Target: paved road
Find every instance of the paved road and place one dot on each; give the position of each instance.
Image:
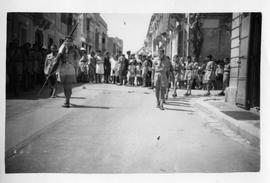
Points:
(115, 129)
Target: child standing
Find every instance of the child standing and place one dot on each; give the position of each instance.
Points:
(132, 72)
(139, 74)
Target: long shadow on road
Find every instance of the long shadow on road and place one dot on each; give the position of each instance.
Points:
(88, 106)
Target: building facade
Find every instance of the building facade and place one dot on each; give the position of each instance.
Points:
(114, 45)
(244, 89)
(191, 34)
(46, 29)
(233, 35)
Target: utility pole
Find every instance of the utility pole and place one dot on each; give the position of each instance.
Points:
(187, 30)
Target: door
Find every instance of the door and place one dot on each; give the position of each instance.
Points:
(241, 95)
(254, 61)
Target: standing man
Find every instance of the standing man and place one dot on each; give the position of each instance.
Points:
(226, 76)
(125, 71)
(209, 76)
(189, 75)
(121, 65)
(160, 77)
(83, 66)
(107, 67)
(49, 63)
(144, 70)
(92, 67)
(67, 70)
(177, 67)
(170, 76)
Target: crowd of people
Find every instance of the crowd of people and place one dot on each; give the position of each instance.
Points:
(28, 66)
(25, 66)
(137, 70)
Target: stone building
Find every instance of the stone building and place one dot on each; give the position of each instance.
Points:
(43, 29)
(114, 45)
(176, 34)
(46, 29)
(244, 89)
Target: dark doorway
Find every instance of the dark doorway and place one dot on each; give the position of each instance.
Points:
(254, 61)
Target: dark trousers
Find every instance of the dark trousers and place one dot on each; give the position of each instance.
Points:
(67, 91)
(160, 93)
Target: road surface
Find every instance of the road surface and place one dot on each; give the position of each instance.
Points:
(118, 129)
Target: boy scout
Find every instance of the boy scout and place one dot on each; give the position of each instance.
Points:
(177, 68)
(160, 78)
(67, 70)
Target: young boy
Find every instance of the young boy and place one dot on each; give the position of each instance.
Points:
(139, 74)
(131, 72)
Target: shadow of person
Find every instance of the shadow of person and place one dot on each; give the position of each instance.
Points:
(87, 106)
(182, 110)
(71, 97)
(180, 104)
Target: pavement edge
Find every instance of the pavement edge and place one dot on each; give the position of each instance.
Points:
(233, 124)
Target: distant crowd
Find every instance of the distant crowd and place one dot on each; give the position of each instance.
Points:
(26, 69)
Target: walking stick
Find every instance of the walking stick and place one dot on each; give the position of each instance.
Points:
(44, 84)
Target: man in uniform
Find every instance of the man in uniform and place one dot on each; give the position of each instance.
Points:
(160, 77)
(107, 67)
(121, 67)
(189, 75)
(49, 63)
(226, 76)
(83, 66)
(92, 67)
(67, 70)
(170, 76)
(209, 76)
(177, 68)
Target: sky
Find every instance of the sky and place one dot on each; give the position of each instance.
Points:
(131, 28)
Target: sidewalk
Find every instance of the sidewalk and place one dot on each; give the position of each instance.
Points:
(242, 122)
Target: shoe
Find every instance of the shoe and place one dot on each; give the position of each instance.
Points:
(221, 94)
(186, 94)
(174, 95)
(66, 105)
(207, 94)
(161, 106)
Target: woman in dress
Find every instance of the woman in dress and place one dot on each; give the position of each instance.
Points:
(100, 67)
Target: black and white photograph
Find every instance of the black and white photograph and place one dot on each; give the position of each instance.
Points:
(162, 93)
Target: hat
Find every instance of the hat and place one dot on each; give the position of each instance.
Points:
(83, 49)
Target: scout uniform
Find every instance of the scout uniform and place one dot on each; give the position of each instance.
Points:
(189, 75)
(131, 72)
(160, 79)
(92, 68)
(170, 76)
(226, 78)
(226, 74)
(121, 65)
(177, 68)
(209, 75)
(67, 72)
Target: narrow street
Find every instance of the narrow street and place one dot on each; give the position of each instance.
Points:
(118, 129)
